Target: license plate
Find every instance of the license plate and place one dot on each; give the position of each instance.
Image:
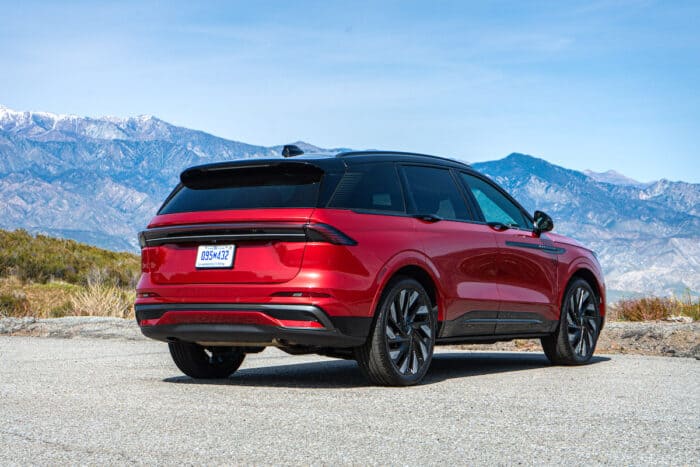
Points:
(215, 256)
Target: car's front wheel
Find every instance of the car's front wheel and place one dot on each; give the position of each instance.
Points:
(400, 347)
(206, 363)
(575, 339)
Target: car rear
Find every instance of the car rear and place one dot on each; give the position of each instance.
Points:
(223, 261)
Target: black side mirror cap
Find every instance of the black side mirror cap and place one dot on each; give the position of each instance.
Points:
(543, 223)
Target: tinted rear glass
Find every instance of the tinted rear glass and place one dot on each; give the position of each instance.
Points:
(371, 187)
(246, 188)
(434, 191)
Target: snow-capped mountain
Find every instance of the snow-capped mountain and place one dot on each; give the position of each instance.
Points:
(613, 177)
(100, 180)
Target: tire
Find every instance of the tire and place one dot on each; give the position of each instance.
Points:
(574, 341)
(200, 363)
(400, 346)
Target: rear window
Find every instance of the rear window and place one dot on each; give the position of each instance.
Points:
(370, 187)
(245, 188)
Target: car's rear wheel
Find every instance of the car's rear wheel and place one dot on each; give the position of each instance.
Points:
(206, 363)
(579, 326)
(400, 346)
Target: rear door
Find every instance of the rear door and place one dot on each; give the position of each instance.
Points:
(234, 225)
(527, 263)
(463, 252)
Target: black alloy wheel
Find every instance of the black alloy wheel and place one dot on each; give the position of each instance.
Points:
(400, 347)
(408, 332)
(579, 326)
(582, 322)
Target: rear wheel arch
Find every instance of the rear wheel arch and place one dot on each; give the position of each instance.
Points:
(423, 277)
(418, 273)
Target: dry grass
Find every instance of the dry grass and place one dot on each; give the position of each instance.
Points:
(49, 300)
(57, 299)
(103, 300)
(14, 304)
(655, 308)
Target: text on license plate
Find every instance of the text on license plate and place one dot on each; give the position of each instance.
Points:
(215, 256)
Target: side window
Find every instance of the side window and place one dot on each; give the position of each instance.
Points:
(495, 206)
(373, 187)
(434, 191)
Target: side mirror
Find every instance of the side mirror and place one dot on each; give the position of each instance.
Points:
(543, 223)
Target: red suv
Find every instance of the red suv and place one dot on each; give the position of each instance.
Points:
(374, 256)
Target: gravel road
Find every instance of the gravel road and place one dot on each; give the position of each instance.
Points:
(114, 401)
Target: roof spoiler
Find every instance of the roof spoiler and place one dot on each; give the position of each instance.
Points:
(250, 173)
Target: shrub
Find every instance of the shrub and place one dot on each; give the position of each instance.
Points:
(99, 299)
(59, 311)
(14, 304)
(688, 308)
(655, 308)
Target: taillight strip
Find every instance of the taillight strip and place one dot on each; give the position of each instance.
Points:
(213, 233)
(287, 237)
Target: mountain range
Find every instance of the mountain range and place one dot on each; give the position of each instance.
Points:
(99, 180)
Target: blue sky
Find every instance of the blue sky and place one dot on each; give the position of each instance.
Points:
(599, 84)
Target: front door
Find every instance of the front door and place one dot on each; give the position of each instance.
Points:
(526, 265)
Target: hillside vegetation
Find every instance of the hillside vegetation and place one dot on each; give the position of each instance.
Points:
(43, 259)
(43, 277)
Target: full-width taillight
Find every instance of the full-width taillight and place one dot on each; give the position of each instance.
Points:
(317, 232)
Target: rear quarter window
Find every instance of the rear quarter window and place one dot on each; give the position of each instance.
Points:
(369, 187)
(433, 191)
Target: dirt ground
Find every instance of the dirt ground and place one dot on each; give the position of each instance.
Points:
(663, 338)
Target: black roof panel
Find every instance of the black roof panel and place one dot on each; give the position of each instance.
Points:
(331, 162)
(402, 157)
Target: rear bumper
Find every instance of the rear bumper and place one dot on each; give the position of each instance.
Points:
(250, 324)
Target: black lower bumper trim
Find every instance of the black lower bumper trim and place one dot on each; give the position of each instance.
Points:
(337, 331)
(249, 334)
